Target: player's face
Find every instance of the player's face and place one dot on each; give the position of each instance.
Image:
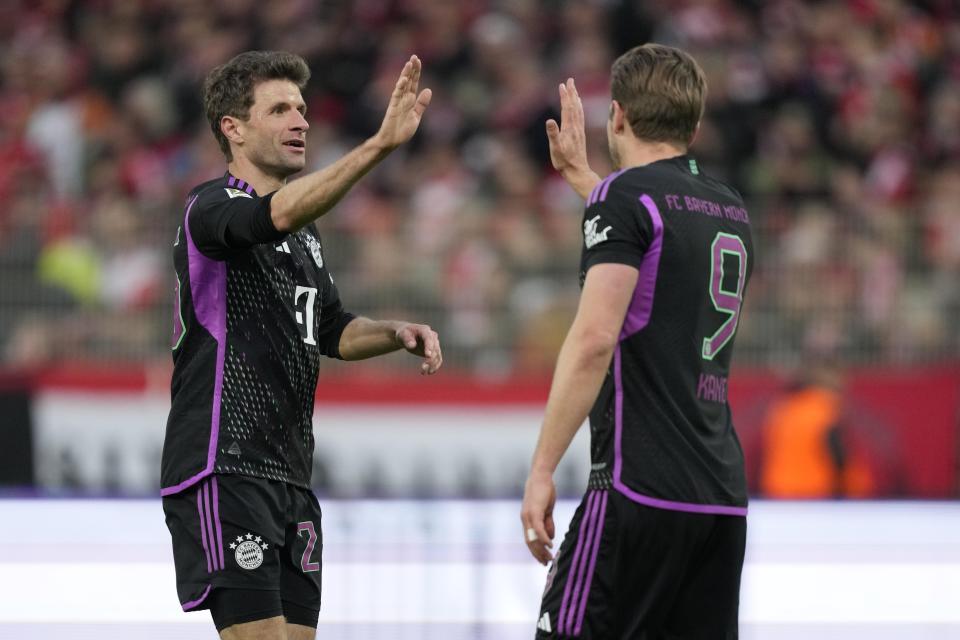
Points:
(275, 135)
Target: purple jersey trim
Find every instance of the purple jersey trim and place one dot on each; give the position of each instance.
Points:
(571, 575)
(599, 193)
(638, 314)
(581, 610)
(208, 290)
(232, 182)
(670, 505)
(187, 606)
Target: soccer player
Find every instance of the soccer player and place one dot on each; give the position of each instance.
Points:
(655, 549)
(255, 309)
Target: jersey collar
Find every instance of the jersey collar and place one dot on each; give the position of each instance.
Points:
(236, 183)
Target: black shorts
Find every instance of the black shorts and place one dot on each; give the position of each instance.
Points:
(625, 570)
(233, 532)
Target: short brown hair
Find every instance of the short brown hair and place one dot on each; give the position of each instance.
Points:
(662, 91)
(228, 89)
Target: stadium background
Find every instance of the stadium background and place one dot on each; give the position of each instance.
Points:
(838, 121)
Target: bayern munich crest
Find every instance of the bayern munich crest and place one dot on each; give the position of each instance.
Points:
(315, 250)
(248, 550)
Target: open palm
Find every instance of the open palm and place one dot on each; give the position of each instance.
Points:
(406, 106)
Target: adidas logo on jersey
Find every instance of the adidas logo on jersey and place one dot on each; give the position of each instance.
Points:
(544, 623)
(237, 193)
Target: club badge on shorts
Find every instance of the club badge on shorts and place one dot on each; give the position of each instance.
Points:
(248, 550)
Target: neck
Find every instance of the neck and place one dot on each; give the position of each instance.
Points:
(262, 182)
(637, 153)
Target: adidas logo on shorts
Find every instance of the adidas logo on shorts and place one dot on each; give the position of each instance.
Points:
(544, 623)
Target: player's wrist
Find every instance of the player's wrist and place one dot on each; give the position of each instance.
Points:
(582, 179)
(542, 470)
(380, 145)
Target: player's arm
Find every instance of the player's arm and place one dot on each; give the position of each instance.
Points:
(365, 338)
(581, 366)
(568, 142)
(302, 201)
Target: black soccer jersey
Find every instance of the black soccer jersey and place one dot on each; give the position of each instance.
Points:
(661, 430)
(255, 309)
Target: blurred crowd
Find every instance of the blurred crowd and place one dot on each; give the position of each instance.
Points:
(839, 122)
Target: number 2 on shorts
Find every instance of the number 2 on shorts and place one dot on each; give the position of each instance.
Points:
(725, 301)
(305, 563)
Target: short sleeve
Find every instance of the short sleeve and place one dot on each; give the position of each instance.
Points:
(222, 222)
(616, 226)
(333, 318)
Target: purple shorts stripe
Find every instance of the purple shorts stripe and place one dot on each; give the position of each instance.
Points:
(565, 624)
(575, 562)
(216, 521)
(203, 528)
(581, 610)
(193, 603)
(206, 504)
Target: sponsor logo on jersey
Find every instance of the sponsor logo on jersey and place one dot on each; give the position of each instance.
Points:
(234, 449)
(544, 623)
(283, 247)
(314, 250)
(592, 237)
(248, 550)
(237, 193)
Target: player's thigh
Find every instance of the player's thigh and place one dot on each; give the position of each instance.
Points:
(270, 629)
(300, 632)
(708, 605)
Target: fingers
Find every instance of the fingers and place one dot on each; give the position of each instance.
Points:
(553, 130)
(432, 353)
(576, 104)
(536, 538)
(564, 105)
(423, 100)
(571, 106)
(409, 338)
(416, 67)
(421, 340)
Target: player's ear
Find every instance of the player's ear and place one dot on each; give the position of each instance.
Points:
(232, 128)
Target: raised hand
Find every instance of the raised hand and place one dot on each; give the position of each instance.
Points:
(406, 107)
(421, 340)
(568, 142)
